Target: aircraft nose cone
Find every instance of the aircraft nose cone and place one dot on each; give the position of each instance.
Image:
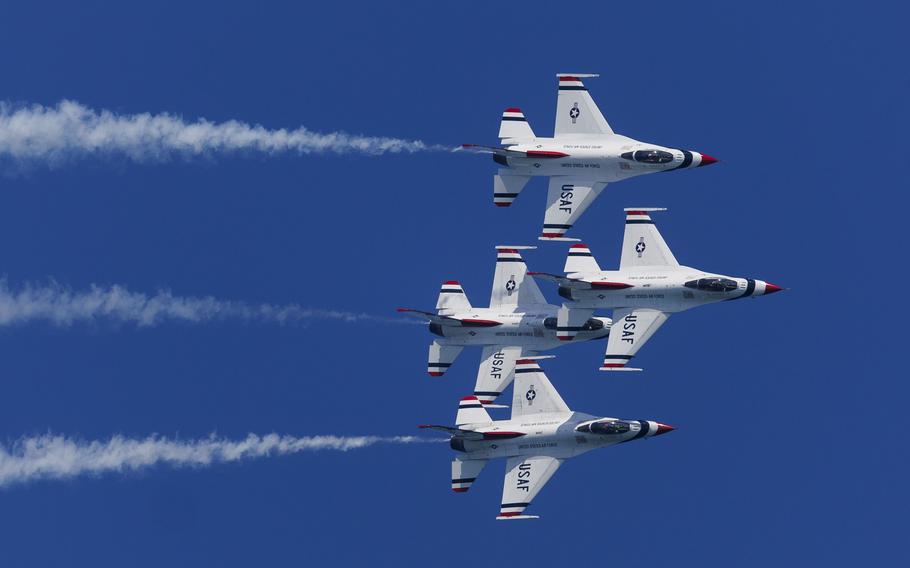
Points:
(707, 160)
(663, 429)
(771, 288)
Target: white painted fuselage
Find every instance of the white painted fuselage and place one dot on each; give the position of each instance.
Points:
(558, 435)
(668, 289)
(600, 158)
(531, 328)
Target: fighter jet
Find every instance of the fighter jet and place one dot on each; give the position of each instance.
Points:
(581, 158)
(541, 434)
(649, 286)
(519, 323)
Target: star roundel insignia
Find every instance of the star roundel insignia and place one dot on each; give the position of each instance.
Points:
(574, 112)
(640, 247)
(530, 394)
(510, 285)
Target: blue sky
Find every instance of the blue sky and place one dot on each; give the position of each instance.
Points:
(789, 409)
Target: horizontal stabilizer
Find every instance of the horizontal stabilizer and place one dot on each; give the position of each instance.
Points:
(616, 369)
(471, 411)
(452, 297)
(559, 239)
(514, 125)
(441, 357)
(517, 518)
(467, 434)
(561, 280)
(465, 473)
(496, 150)
(506, 188)
(580, 259)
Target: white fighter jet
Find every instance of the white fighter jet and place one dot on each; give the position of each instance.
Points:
(519, 323)
(541, 434)
(649, 286)
(581, 158)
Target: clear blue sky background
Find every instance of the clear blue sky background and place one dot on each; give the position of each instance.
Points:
(790, 445)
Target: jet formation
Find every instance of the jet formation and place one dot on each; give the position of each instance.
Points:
(582, 157)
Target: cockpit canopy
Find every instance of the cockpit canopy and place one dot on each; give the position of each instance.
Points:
(609, 427)
(593, 324)
(713, 284)
(649, 156)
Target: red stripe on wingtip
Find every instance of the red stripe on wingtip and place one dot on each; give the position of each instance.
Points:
(435, 373)
(614, 365)
(579, 246)
(459, 489)
(636, 213)
(451, 282)
(569, 78)
(502, 204)
(551, 235)
(513, 109)
(525, 362)
(514, 514)
(469, 398)
(512, 251)
(562, 338)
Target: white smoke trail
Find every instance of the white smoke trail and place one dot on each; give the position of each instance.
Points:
(58, 457)
(61, 306)
(69, 130)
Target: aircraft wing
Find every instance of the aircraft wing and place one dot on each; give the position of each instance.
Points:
(510, 287)
(567, 198)
(631, 329)
(533, 392)
(576, 111)
(497, 371)
(525, 477)
(642, 243)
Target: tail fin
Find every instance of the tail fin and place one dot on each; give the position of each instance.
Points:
(580, 259)
(576, 112)
(452, 297)
(464, 473)
(441, 358)
(514, 125)
(506, 187)
(471, 411)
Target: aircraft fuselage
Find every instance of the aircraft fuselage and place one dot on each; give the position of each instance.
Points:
(601, 158)
(666, 289)
(534, 329)
(559, 435)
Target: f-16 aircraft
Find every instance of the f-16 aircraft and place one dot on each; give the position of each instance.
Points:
(649, 286)
(581, 158)
(541, 434)
(519, 323)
